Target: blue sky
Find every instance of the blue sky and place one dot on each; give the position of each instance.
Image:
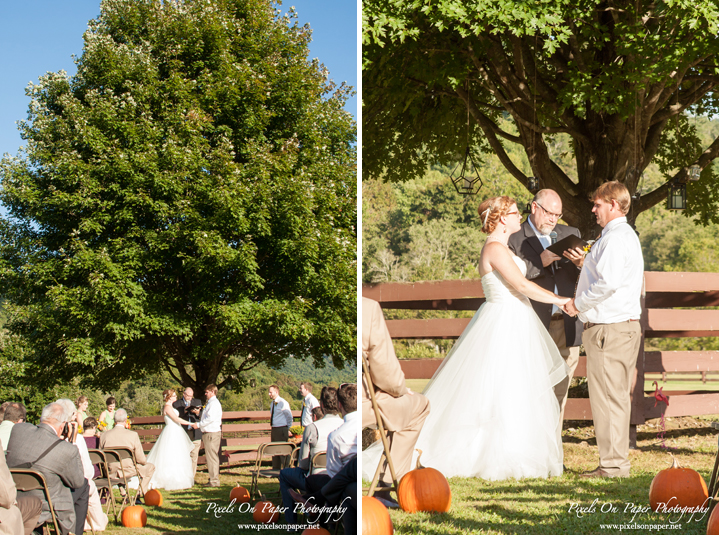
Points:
(37, 36)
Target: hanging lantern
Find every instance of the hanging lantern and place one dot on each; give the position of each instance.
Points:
(467, 181)
(532, 184)
(695, 173)
(527, 209)
(677, 198)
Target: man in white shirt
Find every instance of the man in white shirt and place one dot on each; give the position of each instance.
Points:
(309, 402)
(608, 302)
(211, 427)
(280, 421)
(342, 442)
(14, 414)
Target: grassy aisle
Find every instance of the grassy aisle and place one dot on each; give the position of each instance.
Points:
(549, 506)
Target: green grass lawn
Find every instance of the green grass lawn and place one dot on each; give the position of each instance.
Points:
(199, 509)
(548, 506)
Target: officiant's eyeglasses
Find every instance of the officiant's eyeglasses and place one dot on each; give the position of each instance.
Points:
(550, 214)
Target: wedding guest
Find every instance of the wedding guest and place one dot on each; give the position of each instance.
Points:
(18, 514)
(41, 448)
(608, 302)
(2, 409)
(14, 414)
(553, 273)
(121, 437)
(403, 411)
(211, 426)
(108, 416)
(309, 402)
(89, 433)
(281, 421)
(95, 514)
(341, 490)
(314, 440)
(317, 414)
(189, 408)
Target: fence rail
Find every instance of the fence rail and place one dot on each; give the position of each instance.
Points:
(672, 307)
(233, 450)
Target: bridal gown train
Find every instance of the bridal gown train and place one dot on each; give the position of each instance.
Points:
(494, 414)
(171, 457)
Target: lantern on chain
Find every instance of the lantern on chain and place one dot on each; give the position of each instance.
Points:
(677, 198)
(695, 173)
(466, 181)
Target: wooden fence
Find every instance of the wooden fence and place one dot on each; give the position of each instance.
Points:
(674, 305)
(242, 432)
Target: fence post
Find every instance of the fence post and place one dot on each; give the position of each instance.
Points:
(637, 394)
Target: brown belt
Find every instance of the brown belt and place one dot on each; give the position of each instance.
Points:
(558, 316)
(589, 324)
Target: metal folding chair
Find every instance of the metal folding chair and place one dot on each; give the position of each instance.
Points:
(104, 481)
(319, 460)
(113, 456)
(383, 436)
(26, 480)
(128, 453)
(269, 449)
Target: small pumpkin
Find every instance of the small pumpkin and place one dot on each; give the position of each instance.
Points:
(240, 494)
(153, 497)
(375, 517)
(424, 489)
(713, 524)
(265, 512)
(134, 517)
(315, 529)
(677, 486)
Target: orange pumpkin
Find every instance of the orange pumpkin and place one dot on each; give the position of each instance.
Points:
(677, 486)
(375, 517)
(713, 525)
(134, 517)
(424, 489)
(315, 530)
(240, 494)
(153, 497)
(265, 512)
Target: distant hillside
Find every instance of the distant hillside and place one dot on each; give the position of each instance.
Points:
(306, 371)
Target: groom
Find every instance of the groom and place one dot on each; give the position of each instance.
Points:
(210, 425)
(553, 273)
(608, 302)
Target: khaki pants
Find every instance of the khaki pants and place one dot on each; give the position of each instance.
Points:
(612, 352)
(404, 416)
(145, 472)
(212, 455)
(570, 356)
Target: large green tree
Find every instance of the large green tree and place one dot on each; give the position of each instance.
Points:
(187, 200)
(620, 78)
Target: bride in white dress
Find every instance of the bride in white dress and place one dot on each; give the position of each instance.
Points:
(171, 452)
(493, 413)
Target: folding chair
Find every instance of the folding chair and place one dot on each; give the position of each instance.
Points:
(104, 481)
(269, 449)
(26, 480)
(113, 456)
(383, 436)
(319, 460)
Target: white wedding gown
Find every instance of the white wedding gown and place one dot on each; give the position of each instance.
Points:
(171, 457)
(493, 412)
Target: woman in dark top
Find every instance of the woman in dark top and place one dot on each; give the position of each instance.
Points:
(89, 433)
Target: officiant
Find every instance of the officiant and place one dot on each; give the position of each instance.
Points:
(190, 408)
(554, 273)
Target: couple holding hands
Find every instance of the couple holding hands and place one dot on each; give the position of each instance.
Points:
(497, 401)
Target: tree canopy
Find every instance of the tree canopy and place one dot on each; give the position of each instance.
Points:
(622, 79)
(187, 200)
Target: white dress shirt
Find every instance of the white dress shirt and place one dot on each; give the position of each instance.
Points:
(211, 420)
(281, 413)
(611, 281)
(546, 241)
(342, 444)
(309, 403)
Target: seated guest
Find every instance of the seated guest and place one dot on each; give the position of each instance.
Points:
(314, 440)
(317, 413)
(18, 514)
(95, 514)
(41, 448)
(120, 437)
(14, 414)
(2, 409)
(89, 433)
(403, 411)
(341, 490)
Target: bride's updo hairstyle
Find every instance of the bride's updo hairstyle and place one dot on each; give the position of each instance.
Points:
(167, 394)
(492, 209)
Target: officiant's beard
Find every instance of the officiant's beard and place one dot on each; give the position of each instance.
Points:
(545, 228)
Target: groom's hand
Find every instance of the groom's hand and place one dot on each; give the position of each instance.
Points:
(576, 255)
(570, 309)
